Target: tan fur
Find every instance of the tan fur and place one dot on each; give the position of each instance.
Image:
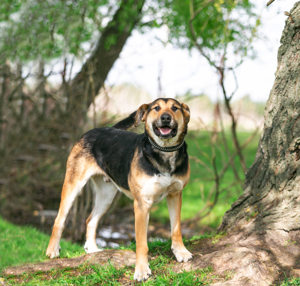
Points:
(80, 167)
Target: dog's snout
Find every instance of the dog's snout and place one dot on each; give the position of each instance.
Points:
(166, 118)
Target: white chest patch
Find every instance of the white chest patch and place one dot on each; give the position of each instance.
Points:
(159, 186)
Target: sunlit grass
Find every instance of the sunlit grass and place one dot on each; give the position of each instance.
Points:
(291, 282)
(28, 245)
(20, 244)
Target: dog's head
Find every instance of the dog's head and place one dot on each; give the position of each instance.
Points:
(165, 120)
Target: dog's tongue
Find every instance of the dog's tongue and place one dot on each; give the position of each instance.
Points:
(165, 130)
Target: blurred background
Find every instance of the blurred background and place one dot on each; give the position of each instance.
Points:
(69, 66)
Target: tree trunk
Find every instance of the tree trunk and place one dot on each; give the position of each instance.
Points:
(262, 241)
(272, 182)
(95, 70)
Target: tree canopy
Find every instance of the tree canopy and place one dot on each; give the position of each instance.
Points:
(33, 29)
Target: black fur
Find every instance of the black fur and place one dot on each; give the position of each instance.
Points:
(127, 122)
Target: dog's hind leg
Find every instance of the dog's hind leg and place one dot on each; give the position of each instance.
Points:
(79, 169)
(104, 195)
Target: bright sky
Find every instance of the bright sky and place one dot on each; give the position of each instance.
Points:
(143, 57)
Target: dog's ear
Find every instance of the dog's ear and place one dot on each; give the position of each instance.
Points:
(141, 114)
(186, 112)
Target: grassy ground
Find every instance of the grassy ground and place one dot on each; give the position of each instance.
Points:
(109, 275)
(291, 282)
(26, 244)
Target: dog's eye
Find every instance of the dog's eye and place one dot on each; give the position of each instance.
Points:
(157, 108)
(174, 108)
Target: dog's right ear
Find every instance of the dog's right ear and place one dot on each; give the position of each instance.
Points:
(141, 114)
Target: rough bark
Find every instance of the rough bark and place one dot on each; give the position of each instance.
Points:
(272, 182)
(95, 70)
(263, 225)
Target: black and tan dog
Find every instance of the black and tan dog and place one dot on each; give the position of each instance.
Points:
(146, 167)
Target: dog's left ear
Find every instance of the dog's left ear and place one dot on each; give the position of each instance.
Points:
(186, 112)
(141, 114)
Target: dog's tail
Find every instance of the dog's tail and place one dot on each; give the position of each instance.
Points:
(127, 122)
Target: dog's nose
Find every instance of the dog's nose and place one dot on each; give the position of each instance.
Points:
(166, 118)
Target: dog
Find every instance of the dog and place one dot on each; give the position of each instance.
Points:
(146, 167)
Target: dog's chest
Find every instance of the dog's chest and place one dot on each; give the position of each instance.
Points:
(159, 186)
(166, 164)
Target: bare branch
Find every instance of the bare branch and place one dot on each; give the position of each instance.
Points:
(197, 160)
(270, 2)
(193, 33)
(236, 84)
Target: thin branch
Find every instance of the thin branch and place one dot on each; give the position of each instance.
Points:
(233, 120)
(270, 2)
(197, 160)
(231, 162)
(193, 33)
(217, 180)
(236, 84)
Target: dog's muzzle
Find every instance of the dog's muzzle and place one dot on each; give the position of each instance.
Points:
(165, 127)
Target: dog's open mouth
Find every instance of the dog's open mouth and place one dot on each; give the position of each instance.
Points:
(165, 131)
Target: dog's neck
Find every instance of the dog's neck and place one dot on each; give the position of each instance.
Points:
(165, 149)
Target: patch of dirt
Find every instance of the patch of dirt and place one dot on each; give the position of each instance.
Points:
(118, 258)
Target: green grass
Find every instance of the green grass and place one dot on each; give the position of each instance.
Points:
(22, 244)
(82, 275)
(26, 244)
(109, 275)
(291, 282)
(195, 194)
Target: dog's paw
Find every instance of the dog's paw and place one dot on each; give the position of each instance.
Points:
(52, 253)
(91, 248)
(142, 272)
(182, 254)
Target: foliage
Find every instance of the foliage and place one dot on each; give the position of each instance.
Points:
(49, 29)
(31, 30)
(218, 27)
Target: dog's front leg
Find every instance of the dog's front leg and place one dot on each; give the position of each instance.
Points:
(141, 213)
(174, 202)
